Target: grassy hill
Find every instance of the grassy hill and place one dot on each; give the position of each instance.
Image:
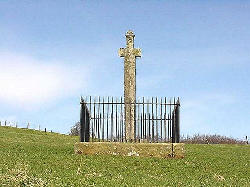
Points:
(33, 158)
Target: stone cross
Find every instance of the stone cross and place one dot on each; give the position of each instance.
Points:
(130, 53)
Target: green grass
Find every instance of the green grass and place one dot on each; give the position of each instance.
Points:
(33, 158)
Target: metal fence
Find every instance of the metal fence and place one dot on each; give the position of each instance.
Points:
(155, 119)
(23, 125)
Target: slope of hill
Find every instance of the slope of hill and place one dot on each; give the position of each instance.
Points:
(34, 158)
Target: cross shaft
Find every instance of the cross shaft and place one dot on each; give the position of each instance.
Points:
(130, 53)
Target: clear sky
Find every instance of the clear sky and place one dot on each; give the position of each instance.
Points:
(51, 52)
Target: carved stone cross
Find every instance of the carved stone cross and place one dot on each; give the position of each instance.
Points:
(130, 53)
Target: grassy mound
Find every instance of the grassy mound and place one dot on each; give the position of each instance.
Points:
(33, 158)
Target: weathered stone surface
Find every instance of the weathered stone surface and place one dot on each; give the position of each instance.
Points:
(129, 53)
(160, 150)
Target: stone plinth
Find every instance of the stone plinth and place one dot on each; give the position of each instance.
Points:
(160, 150)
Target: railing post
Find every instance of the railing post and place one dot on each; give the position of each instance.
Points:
(177, 127)
(174, 123)
(173, 126)
(87, 124)
(82, 135)
(84, 122)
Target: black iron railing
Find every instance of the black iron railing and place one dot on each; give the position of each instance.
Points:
(156, 119)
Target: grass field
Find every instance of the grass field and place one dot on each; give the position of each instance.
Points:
(33, 158)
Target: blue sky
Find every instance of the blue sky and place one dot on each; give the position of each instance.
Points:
(51, 52)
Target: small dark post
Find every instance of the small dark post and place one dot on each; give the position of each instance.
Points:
(149, 128)
(173, 123)
(112, 119)
(156, 117)
(140, 121)
(177, 122)
(84, 122)
(94, 121)
(82, 125)
(87, 121)
(103, 118)
(116, 120)
(153, 131)
(170, 121)
(169, 135)
(121, 122)
(45, 130)
(161, 121)
(173, 126)
(148, 121)
(107, 125)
